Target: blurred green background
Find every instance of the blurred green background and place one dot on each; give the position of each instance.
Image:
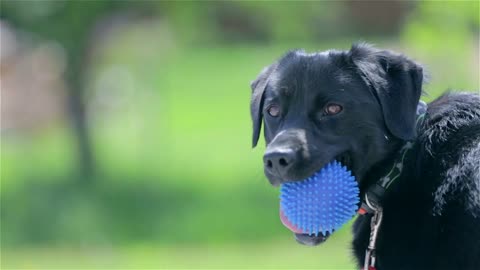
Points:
(125, 129)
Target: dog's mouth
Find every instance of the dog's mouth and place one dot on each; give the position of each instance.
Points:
(345, 160)
(311, 240)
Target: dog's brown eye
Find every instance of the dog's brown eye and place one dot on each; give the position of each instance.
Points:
(332, 109)
(273, 110)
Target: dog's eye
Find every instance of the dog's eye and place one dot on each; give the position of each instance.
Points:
(273, 110)
(332, 109)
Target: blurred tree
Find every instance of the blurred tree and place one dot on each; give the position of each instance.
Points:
(67, 23)
(234, 21)
(378, 17)
(70, 23)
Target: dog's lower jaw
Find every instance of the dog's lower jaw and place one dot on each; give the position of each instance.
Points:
(311, 240)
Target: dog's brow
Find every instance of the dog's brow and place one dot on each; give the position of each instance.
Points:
(343, 77)
(287, 91)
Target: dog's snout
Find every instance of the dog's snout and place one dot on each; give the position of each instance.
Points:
(279, 161)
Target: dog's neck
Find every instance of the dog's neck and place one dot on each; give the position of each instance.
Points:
(398, 150)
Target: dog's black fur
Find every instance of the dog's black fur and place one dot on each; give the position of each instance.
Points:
(432, 212)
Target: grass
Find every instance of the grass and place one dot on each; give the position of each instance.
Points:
(334, 254)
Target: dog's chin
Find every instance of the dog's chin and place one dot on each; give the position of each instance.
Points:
(311, 240)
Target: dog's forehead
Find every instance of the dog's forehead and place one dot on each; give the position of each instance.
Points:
(309, 73)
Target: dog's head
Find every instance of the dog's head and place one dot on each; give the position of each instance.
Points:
(353, 106)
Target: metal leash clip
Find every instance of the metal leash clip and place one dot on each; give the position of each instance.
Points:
(375, 223)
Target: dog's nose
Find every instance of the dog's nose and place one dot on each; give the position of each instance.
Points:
(279, 161)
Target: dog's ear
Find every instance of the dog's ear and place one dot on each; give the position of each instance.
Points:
(256, 103)
(396, 82)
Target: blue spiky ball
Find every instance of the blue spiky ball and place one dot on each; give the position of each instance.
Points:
(321, 203)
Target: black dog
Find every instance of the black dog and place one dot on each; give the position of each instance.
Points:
(359, 107)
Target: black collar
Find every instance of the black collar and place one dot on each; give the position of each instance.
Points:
(374, 195)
